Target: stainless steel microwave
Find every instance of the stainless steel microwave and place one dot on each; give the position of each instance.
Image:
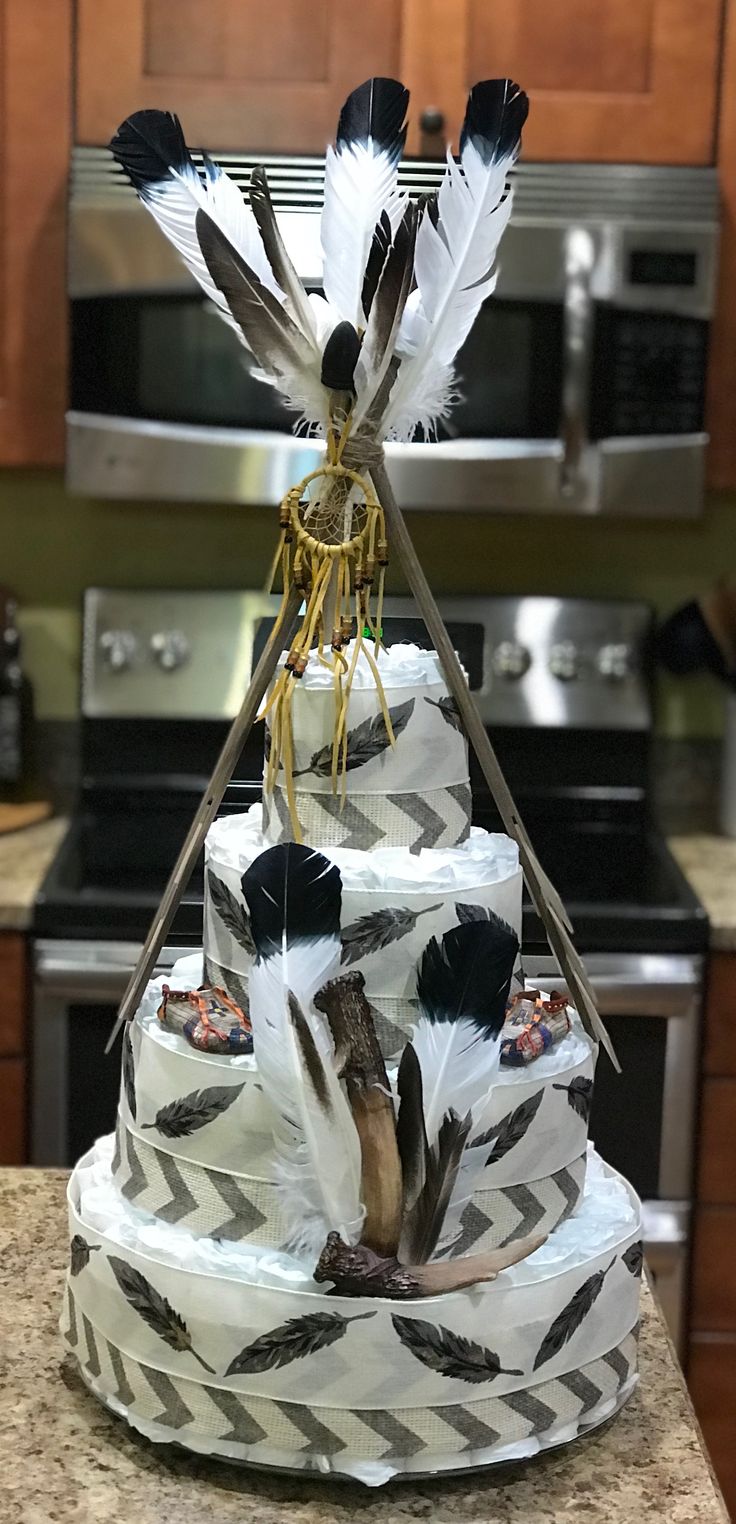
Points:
(583, 381)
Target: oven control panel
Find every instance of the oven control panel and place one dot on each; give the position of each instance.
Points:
(550, 662)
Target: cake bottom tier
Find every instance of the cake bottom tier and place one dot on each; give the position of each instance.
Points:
(240, 1355)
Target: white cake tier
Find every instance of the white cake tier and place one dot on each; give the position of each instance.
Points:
(194, 1140)
(415, 793)
(393, 901)
(238, 1354)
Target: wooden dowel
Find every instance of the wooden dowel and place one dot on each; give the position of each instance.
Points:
(547, 901)
(237, 735)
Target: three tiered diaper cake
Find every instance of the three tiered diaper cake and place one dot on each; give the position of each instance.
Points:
(349, 1220)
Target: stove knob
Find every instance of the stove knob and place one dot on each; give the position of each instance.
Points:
(170, 648)
(564, 661)
(511, 660)
(615, 662)
(118, 649)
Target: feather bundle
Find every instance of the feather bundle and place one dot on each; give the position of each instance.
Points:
(446, 1073)
(395, 345)
(293, 896)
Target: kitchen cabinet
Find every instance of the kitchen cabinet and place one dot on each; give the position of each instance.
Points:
(35, 122)
(240, 74)
(721, 415)
(608, 80)
(712, 1344)
(13, 1045)
(712, 1383)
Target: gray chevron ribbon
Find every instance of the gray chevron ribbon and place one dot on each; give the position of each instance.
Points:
(301, 1434)
(215, 1204)
(433, 818)
(208, 1202)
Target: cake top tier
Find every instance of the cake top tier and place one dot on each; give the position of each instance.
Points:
(412, 793)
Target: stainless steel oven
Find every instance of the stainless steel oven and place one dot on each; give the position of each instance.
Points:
(583, 380)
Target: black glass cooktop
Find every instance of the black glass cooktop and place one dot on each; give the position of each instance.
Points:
(621, 886)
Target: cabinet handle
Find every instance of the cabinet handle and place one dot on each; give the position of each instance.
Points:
(577, 345)
(432, 130)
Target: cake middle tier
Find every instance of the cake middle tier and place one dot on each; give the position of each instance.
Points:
(393, 901)
(412, 793)
(194, 1141)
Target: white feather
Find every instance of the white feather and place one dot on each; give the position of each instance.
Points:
(454, 271)
(318, 1155)
(360, 183)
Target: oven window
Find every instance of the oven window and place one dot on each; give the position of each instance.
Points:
(172, 359)
(626, 1121)
(93, 1078)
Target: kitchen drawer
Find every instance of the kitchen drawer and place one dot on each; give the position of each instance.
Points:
(717, 1152)
(13, 1135)
(712, 1383)
(719, 1055)
(714, 1270)
(13, 992)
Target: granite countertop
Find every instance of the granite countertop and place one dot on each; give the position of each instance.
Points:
(65, 1460)
(709, 865)
(25, 857)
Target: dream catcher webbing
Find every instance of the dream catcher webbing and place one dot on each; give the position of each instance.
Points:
(333, 549)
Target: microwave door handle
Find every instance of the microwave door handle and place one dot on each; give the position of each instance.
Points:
(577, 344)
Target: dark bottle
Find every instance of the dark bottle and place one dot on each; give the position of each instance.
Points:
(16, 710)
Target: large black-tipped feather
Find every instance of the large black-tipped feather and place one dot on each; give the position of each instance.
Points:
(293, 895)
(292, 890)
(494, 116)
(469, 976)
(148, 145)
(375, 111)
(463, 985)
(360, 185)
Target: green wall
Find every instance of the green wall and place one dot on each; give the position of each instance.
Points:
(52, 546)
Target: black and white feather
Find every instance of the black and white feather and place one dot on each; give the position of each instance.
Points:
(293, 896)
(362, 206)
(456, 248)
(463, 985)
(242, 253)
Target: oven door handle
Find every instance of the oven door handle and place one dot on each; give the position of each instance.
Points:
(577, 348)
(666, 986)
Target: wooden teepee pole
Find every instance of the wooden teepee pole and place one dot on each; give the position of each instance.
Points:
(280, 637)
(547, 901)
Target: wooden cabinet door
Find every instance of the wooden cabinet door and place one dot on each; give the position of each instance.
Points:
(712, 1383)
(721, 413)
(35, 122)
(608, 79)
(240, 74)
